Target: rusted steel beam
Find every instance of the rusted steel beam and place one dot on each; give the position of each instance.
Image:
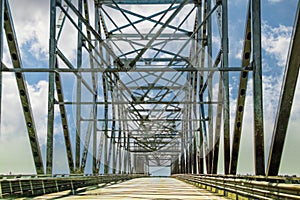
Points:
(215, 153)
(22, 87)
(259, 152)
(286, 100)
(64, 122)
(226, 108)
(239, 114)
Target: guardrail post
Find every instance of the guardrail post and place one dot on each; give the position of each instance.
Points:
(21, 189)
(10, 188)
(1, 196)
(43, 185)
(73, 190)
(31, 187)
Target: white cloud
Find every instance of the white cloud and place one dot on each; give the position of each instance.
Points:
(237, 49)
(14, 135)
(275, 41)
(31, 25)
(13, 121)
(39, 98)
(32, 29)
(14, 138)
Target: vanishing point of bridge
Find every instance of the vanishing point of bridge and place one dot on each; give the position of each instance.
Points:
(148, 88)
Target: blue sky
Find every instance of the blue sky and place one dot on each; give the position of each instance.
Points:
(32, 31)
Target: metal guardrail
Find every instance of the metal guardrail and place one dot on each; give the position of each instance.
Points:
(31, 185)
(246, 187)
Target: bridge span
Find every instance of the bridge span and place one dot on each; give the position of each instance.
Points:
(178, 186)
(141, 188)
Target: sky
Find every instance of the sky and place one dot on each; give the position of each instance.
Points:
(32, 31)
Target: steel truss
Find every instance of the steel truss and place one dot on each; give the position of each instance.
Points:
(146, 81)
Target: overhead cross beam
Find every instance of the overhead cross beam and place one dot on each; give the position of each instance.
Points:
(148, 45)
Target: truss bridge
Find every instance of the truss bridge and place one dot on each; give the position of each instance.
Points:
(139, 88)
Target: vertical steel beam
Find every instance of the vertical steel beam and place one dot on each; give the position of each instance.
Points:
(105, 162)
(86, 144)
(52, 61)
(200, 61)
(195, 124)
(185, 141)
(95, 112)
(210, 87)
(177, 164)
(1, 53)
(182, 156)
(125, 152)
(128, 155)
(215, 156)
(239, 114)
(78, 90)
(194, 115)
(203, 56)
(189, 124)
(194, 155)
(200, 155)
(128, 145)
(94, 83)
(95, 87)
(257, 88)
(119, 151)
(114, 156)
(64, 121)
(226, 112)
(286, 99)
(112, 132)
(134, 163)
(105, 91)
(100, 149)
(123, 140)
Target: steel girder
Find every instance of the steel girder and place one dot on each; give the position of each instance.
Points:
(22, 87)
(286, 100)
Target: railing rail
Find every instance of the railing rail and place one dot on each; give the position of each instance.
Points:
(30, 185)
(249, 187)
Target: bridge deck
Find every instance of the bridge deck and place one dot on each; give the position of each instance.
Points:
(143, 188)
